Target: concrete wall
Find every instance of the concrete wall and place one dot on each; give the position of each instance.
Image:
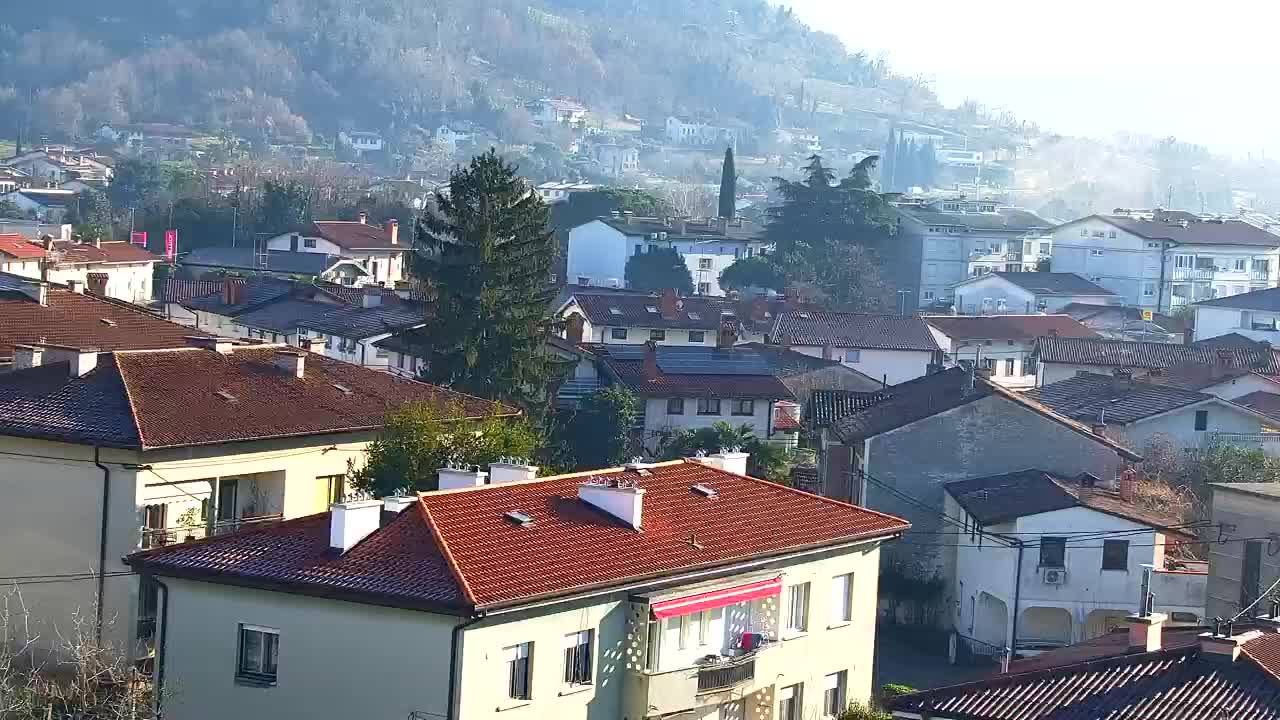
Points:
(130, 282)
(1179, 426)
(598, 252)
(1214, 321)
(1250, 516)
(893, 366)
(336, 660)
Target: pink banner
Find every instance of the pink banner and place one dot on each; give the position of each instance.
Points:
(138, 238)
(170, 243)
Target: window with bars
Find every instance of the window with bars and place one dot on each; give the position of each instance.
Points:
(518, 670)
(577, 658)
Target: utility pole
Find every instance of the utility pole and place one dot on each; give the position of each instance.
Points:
(235, 214)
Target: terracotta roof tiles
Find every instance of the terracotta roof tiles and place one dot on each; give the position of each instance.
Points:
(355, 235)
(19, 247)
(1008, 327)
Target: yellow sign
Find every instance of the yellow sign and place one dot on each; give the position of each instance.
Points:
(1146, 315)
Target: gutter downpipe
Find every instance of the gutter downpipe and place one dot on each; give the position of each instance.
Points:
(102, 540)
(1017, 597)
(160, 647)
(453, 711)
(1164, 258)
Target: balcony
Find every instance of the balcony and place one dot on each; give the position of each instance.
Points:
(708, 684)
(724, 675)
(1204, 273)
(1260, 275)
(159, 537)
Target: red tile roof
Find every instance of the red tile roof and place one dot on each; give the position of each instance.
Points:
(356, 235)
(84, 321)
(114, 251)
(1008, 327)
(18, 246)
(191, 396)
(489, 561)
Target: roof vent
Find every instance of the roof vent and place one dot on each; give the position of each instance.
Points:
(704, 491)
(651, 309)
(342, 388)
(694, 316)
(226, 395)
(108, 322)
(802, 315)
(615, 311)
(519, 517)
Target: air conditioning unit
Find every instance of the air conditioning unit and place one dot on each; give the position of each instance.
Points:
(1053, 576)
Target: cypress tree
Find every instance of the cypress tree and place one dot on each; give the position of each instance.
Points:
(728, 186)
(484, 256)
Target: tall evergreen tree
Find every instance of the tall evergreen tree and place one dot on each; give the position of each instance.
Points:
(484, 255)
(888, 181)
(728, 186)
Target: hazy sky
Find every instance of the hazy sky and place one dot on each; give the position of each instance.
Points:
(1205, 72)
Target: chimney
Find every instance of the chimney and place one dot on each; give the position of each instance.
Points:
(1223, 643)
(222, 346)
(730, 460)
(1145, 630)
(27, 356)
(97, 283)
(682, 226)
(512, 469)
(315, 345)
(573, 328)
(232, 291)
(76, 286)
(455, 478)
(393, 229)
(80, 361)
(628, 216)
(1121, 381)
(364, 218)
(292, 362)
(1128, 485)
(667, 304)
(393, 505)
(828, 352)
(352, 521)
(649, 368)
(372, 296)
(1053, 332)
(621, 498)
(37, 290)
(1099, 428)
(728, 335)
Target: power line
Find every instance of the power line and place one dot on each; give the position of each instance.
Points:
(1257, 600)
(48, 579)
(1002, 546)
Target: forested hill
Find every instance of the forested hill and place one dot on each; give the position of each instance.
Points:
(296, 66)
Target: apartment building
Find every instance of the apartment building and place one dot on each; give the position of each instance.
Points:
(1243, 568)
(113, 269)
(621, 592)
(1162, 260)
(953, 239)
(163, 446)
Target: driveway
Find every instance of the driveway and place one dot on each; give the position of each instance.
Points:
(919, 662)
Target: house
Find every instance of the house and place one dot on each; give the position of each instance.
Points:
(1139, 412)
(593, 316)
(20, 256)
(115, 269)
(39, 312)
(361, 142)
(1086, 554)
(1148, 670)
(553, 192)
(283, 264)
(212, 306)
(43, 204)
(352, 333)
(949, 240)
(1117, 322)
(378, 250)
(1062, 358)
(168, 445)
(557, 111)
(616, 161)
(35, 230)
(998, 293)
(1242, 568)
(1002, 344)
(620, 592)
(699, 134)
(890, 348)
(407, 352)
(898, 448)
(450, 134)
(599, 249)
(52, 166)
(1255, 315)
(1164, 259)
(11, 179)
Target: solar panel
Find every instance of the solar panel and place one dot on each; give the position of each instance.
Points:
(716, 362)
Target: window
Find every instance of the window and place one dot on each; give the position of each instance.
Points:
(675, 406)
(1044, 248)
(798, 608)
(335, 487)
(153, 525)
(1239, 265)
(577, 658)
(518, 670)
(1008, 367)
(1053, 552)
(704, 288)
(1148, 289)
(308, 242)
(1112, 234)
(373, 268)
(842, 598)
(639, 249)
(1184, 262)
(743, 407)
(1096, 252)
(928, 294)
(259, 652)
(833, 694)
(227, 490)
(696, 336)
(618, 333)
(657, 335)
(708, 406)
(1084, 232)
(789, 702)
(1202, 420)
(1115, 554)
(704, 263)
(853, 356)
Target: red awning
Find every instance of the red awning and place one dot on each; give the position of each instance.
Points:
(716, 598)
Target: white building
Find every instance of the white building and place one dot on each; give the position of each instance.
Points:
(1084, 556)
(615, 161)
(19, 256)
(890, 348)
(116, 270)
(1255, 315)
(450, 135)
(1203, 365)
(53, 166)
(378, 250)
(956, 238)
(599, 249)
(554, 192)
(361, 142)
(699, 134)
(1162, 260)
(1024, 293)
(552, 111)
(1004, 345)
(665, 319)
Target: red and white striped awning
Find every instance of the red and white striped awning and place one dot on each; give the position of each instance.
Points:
(716, 598)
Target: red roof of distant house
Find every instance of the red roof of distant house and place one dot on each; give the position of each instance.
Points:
(783, 420)
(111, 251)
(1008, 327)
(355, 235)
(457, 548)
(18, 246)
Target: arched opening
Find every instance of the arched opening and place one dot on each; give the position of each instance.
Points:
(1043, 628)
(991, 620)
(1101, 622)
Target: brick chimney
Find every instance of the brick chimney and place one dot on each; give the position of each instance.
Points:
(353, 521)
(232, 291)
(364, 218)
(1128, 485)
(649, 367)
(1145, 631)
(97, 282)
(393, 229)
(727, 337)
(293, 362)
(668, 304)
(1121, 381)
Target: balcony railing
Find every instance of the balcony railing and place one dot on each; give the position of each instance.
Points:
(1259, 274)
(1193, 273)
(724, 675)
(158, 537)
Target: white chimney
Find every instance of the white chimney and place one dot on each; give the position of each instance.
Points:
(27, 356)
(372, 296)
(393, 505)
(450, 478)
(364, 217)
(222, 346)
(350, 522)
(623, 499)
(81, 361)
(1145, 631)
(511, 470)
(36, 290)
(75, 286)
(393, 229)
(733, 461)
(292, 362)
(316, 345)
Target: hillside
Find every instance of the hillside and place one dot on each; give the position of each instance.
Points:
(287, 68)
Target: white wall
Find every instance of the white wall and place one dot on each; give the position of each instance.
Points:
(656, 419)
(599, 252)
(130, 282)
(1179, 426)
(896, 365)
(1212, 322)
